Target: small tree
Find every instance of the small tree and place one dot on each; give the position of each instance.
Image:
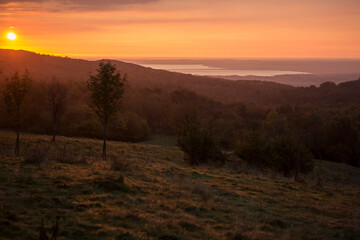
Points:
(16, 88)
(107, 88)
(57, 98)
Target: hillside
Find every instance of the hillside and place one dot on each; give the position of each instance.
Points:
(316, 71)
(44, 67)
(163, 198)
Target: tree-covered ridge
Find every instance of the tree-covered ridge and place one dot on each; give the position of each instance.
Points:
(44, 67)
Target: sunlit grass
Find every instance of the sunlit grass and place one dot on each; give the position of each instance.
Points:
(163, 197)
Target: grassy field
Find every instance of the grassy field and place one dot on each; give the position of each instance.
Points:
(161, 197)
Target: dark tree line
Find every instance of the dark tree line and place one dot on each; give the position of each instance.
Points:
(327, 133)
(106, 90)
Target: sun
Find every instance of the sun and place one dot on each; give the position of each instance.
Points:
(11, 36)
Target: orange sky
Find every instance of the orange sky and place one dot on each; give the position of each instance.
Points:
(173, 29)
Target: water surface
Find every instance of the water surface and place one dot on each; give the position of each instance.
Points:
(203, 70)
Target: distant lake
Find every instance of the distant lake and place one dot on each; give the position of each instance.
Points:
(203, 70)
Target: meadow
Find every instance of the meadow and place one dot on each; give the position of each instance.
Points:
(152, 193)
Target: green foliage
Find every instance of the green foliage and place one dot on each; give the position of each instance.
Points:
(281, 153)
(16, 88)
(275, 124)
(254, 148)
(313, 132)
(328, 134)
(290, 156)
(157, 111)
(198, 143)
(129, 127)
(274, 146)
(343, 140)
(15, 91)
(107, 88)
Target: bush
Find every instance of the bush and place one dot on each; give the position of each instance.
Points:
(136, 129)
(289, 156)
(343, 141)
(129, 127)
(199, 145)
(281, 153)
(254, 148)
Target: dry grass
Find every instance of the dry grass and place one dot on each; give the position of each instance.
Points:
(160, 197)
(35, 154)
(120, 162)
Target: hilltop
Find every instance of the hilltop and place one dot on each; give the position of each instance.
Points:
(44, 67)
(162, 197)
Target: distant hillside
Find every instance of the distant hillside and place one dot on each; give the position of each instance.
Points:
(43, 67)
(298, 80)
(316, 71)
(328, 94)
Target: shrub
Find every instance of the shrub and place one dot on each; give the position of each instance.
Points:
(343, 140)
(289, 156)
(129, 127)
(281, 153)
(136, 129)
(254, 148)
(199, 145)
(340, 152)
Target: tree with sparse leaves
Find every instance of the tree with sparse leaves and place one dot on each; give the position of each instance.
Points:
(107, 88)
(57, 100)
(16, 88)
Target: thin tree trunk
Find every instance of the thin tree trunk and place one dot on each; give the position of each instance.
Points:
(296, 175)
(104, 144)
(54, 131)
(17, 144)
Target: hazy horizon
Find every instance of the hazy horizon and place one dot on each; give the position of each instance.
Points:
(186, 29)
(179, 58)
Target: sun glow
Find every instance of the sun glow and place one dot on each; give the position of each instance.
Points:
(11, 36)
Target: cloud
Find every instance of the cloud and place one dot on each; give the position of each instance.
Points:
(69, 5)
(20, 1)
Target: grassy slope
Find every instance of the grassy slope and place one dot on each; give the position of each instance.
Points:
(169, 198)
